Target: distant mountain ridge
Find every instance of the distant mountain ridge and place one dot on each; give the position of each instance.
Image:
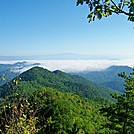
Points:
(60, 56)
(108, 77)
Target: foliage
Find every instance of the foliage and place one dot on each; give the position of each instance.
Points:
(16, 114)
(17, 119)
(105, 8)
(121, 114)
(37, 77)
(27, 109)
(42, 109)
(65, 113)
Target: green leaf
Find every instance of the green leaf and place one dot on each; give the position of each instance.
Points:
(79, 2)
(114, 7)
(24, 116)
(109, 12)
(6, 126)
(99, 16)
(104, 14)
(90, 17)
(99, 8)
(126, 2)
(16, 81)
(131, 18)
(3, 77)
(107, 2)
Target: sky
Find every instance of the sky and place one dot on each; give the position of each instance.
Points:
(40, 27)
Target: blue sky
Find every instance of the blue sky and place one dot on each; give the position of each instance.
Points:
(40, 27)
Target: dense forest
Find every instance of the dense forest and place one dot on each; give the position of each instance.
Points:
(41, 101)
(37, 77)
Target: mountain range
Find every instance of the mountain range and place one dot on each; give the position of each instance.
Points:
(62, 102)
(108, 77)
(61, 56)
(37, 77)
(54, 97)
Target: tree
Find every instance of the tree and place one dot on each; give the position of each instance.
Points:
(120, 115)
(16, 113)
(105, 8)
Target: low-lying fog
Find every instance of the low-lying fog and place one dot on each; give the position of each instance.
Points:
(75, 65)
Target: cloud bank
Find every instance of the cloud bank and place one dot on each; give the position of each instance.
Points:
(75, 65)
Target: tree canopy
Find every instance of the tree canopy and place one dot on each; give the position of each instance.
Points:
(105, 8)
(121, 114)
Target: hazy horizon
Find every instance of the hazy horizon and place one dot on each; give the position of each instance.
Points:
(32, 27)
(66, 56)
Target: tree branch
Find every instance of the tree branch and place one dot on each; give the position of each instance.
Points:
(120, 10)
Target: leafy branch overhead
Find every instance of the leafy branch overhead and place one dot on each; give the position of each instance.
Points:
(105, 8)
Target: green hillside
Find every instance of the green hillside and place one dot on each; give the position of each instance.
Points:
(33, 104)
(66, 113)
(52, 112)
(37, 77)
(43, 102)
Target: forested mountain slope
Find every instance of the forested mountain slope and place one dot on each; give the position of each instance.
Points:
(56, 113)
(37, 77)
(54, 99)
(66, 113)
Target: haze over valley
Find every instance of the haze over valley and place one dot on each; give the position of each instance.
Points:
(70, 65)
(102, 72)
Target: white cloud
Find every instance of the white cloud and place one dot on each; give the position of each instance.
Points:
(83, 65)
(76, 65)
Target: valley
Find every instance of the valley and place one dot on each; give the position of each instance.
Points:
(56, 101)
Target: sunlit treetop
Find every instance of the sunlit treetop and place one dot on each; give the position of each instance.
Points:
(105, 8)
